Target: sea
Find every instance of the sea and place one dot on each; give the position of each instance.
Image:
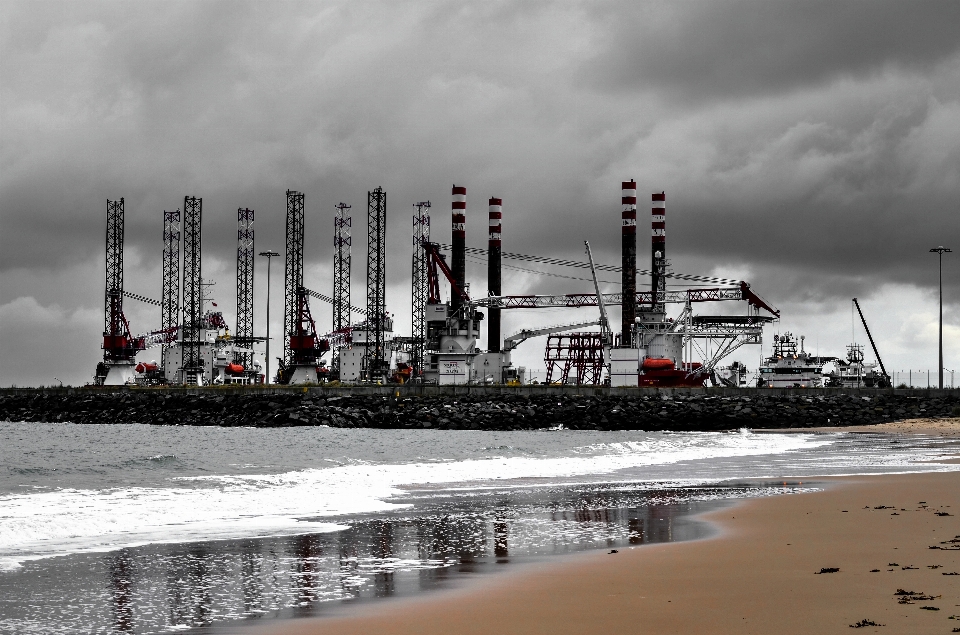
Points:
(143, 529)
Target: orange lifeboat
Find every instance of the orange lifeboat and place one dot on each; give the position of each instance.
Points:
(234, 368)
(657, 363)
(146, 367)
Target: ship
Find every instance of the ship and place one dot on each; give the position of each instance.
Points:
(855, 373)
(789, 367)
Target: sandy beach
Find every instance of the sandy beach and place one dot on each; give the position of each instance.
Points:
(885, 535)
(941, 426)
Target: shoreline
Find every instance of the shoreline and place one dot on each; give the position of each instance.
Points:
(935, 426)
(756, 575)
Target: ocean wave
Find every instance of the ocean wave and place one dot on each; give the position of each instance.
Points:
(32, 471)
(162, 458)
(231, 505)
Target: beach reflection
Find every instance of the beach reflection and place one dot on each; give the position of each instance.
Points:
(120, 585)
(208, 586)
(500, 531)
(251, 587)
(383, 548)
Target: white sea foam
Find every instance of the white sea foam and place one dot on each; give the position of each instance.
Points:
(232, 506)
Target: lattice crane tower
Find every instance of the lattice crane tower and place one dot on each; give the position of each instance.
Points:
(342, 241)
(376, 283)
(293, 270)
(115, 330)
(192, 363)
(420, 290)
(245, 251)
(170, 293)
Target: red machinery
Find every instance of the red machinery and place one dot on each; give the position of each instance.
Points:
(663, 373)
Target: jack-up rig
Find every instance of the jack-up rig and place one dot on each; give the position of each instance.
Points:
(197, 348)
(120, 348)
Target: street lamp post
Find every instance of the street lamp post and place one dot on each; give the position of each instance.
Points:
(270, 255)
(940, 251)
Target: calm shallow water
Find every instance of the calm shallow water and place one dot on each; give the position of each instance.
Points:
(145, 529)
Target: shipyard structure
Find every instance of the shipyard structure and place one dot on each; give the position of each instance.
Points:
(653, 346)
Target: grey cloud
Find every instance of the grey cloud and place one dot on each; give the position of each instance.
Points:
(750, 47)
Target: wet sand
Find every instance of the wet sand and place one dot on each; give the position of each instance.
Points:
(759, 575)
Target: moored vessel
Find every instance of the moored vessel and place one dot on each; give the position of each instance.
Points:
(854, 372)
(789, 367)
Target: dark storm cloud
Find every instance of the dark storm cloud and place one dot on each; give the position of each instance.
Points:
(231, 103)
(830, 194)
(748, 47)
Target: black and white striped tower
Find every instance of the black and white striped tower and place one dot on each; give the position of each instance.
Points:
(628, 257)
(658, 252)
(494, 277)
(459, 242)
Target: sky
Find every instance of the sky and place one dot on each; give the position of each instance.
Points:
(809, 148)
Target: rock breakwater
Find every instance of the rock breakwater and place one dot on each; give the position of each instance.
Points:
(640, 410)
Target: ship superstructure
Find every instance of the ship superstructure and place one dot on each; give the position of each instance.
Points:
(218, 354)
(790, 366)
(854, 372)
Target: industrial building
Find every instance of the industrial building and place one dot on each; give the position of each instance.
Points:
(198, 348)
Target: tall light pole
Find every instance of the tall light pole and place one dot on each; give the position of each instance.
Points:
(270, 255)
(940, 251)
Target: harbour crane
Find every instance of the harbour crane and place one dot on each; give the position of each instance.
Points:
(886, 377)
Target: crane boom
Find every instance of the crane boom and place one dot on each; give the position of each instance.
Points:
(870, 337)
(435, 261)
(604, 323)
(137, 296)
(577, 300)
(582, 265)
(516, 339)
(329, 300)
